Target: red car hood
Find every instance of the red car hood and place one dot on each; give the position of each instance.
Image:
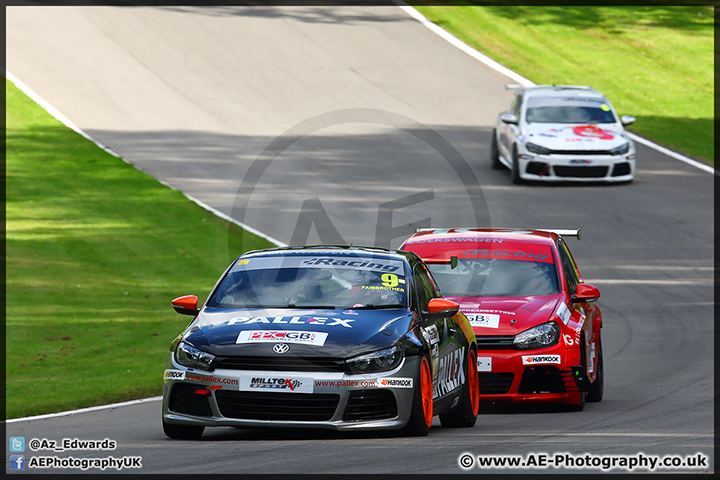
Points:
(501, 311)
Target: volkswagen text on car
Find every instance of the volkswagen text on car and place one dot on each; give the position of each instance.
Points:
(562, 133)
(535, 320)
(335, 337)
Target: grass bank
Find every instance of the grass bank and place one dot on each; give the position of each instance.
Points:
(655, 63)
(96, 249)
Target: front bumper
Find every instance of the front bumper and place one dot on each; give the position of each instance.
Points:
(521, 376)
(577, 167)
(330, 400)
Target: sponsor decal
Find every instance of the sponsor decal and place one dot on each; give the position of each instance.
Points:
(211, 379)
(456, 240)
(591, 363)
(499, 312)
(579, 161)
(350, 312)
(488, 320)
(581, 321)
(563, 312)
(395, 382)
(432, 332)
(511, 254)
(243, 262)
(450, 373)
(346, 383)
(301, 320)
(425, 334)
(540, 359)
(357, 264)
(277, 384)
(435, 352)
(292, 336)
(484, 364)
(174, 374)
(568, 340)
(378, 287)
(594, 132)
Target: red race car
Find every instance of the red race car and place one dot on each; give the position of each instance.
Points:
(536, 323)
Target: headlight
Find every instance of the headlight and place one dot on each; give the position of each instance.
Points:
(545, 335)
(380, 361)
(537, 149)
(622, 149)
(192, 357)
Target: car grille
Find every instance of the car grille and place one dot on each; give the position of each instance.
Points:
(289, 363)
(537, 168)
(487, 342)
(313, 407)
(371, 405)
(620, 169)
(581, 152)
(184, 400)
(542, 379)
(495, 383)
(580, 172)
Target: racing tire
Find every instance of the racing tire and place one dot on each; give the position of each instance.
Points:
(595, 394)
(466, 413)
(515, 170)
(422, 407)
(494, 155)
(184, 432)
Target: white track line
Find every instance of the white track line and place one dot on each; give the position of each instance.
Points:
(83, 410)
(524, 81)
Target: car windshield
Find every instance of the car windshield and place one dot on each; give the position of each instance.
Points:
(313, 281)
(495, 277)
(576, 110)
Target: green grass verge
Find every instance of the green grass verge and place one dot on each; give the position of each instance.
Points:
(654, 63)
(96, 249)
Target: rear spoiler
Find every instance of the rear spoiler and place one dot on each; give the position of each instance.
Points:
(558, 231)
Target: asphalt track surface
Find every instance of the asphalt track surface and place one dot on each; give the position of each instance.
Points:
(357, 124)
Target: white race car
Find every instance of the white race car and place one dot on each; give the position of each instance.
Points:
(563, 133)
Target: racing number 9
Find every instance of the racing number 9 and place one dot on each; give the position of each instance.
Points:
(389, 280)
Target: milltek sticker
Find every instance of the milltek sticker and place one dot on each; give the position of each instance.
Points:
(540, 359)
(277, 384)
(487, 320)
(174, 374)
(395, 382)
(307, 338)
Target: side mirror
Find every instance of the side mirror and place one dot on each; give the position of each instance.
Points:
(627, 120)
(585, 293)
(187, 305)
(441, 307)
(509, 118)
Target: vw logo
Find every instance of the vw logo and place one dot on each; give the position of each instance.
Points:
(281, 347)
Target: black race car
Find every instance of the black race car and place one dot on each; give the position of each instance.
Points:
(338, 337)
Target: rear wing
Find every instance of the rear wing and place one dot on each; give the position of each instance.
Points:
(557, 231)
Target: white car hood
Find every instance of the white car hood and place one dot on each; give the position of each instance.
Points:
(564, 136)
